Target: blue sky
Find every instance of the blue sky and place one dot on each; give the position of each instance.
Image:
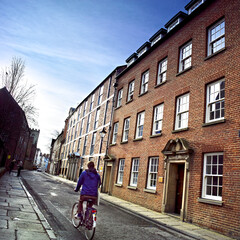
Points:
(70, 46)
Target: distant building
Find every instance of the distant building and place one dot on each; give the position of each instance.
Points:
(37, 158)
(56, 157)
(31, 149)
(175, 140)
(84, 123)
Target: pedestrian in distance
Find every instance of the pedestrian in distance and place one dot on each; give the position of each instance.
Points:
(11, 165)
(90, 181)
(20, 167)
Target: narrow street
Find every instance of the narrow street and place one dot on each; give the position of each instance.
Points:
(55, 200)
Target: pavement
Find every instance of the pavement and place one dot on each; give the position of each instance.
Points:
(21, 219)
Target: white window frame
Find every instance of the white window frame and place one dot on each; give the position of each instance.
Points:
(85, 108)
(212, 172)
(134, 172)
(82, 126)
(130, 91)
(185, 60)
(120, 171)
(182, 111)
(140, 125)
(92, 101)
(79, 112)
(217, 31)
(119, 98)
(88, 123)
(152, 173)
(93, 143)
(85, 145)
(126, 129)
(76, 130)
(195, 6)
(144, 82)
(100, 94)
(157, 119)
(162, 71)
(173, 25)
(215, 100)
(115, 132)
(97, 118)
(79, 143)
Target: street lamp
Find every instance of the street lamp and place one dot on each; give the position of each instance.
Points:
(103, 133)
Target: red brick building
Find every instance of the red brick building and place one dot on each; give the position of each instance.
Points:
(175, 141)
(14, 130)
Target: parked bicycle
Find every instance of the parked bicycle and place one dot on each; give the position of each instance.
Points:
(88, 220)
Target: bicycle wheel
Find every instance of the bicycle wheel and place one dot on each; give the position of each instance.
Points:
(89, 233)
(90, 223)
(75, 221)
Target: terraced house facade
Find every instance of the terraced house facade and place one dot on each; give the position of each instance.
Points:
(175, 141)
(83, 142)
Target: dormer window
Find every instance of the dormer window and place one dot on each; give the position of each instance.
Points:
(157, 36)
(193, 5)
(131, 59)
(179, 17)
(143, 49)
(173, 25)
(142, 52)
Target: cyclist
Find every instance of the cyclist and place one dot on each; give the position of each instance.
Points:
(90, 181)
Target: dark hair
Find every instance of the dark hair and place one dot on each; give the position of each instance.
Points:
(90, 165)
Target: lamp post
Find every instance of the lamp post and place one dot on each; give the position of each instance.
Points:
(103, 133)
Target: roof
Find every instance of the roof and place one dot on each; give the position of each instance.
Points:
(186, 19)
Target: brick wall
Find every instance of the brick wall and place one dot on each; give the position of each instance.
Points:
(222, 137)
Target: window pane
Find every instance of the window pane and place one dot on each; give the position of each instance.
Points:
(208, 190)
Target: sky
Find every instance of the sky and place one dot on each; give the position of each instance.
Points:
(70, 46)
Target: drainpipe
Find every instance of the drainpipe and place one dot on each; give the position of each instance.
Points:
(109, 129)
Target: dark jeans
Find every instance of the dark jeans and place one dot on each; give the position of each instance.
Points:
(19, 170)
(85, 198)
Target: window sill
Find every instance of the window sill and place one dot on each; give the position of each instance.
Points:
(118, 185)
(113, 144)
(118, 107)
(150, 191)
(180, 130)
(124, 142)
(141, 94)
(214, 54)
(156, 135)
(137, 139)
(210, 201)
(160, 84)
(132, 187)
(183, 71)
(129, 101)
(214, 123)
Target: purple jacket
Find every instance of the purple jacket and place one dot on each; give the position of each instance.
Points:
(90, 181)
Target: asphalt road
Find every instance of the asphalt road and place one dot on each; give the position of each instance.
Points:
(55, 200)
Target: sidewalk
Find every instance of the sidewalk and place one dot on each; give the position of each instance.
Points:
(169, 221)
(20, 218)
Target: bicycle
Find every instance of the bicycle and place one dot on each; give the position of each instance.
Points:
(88, 220)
